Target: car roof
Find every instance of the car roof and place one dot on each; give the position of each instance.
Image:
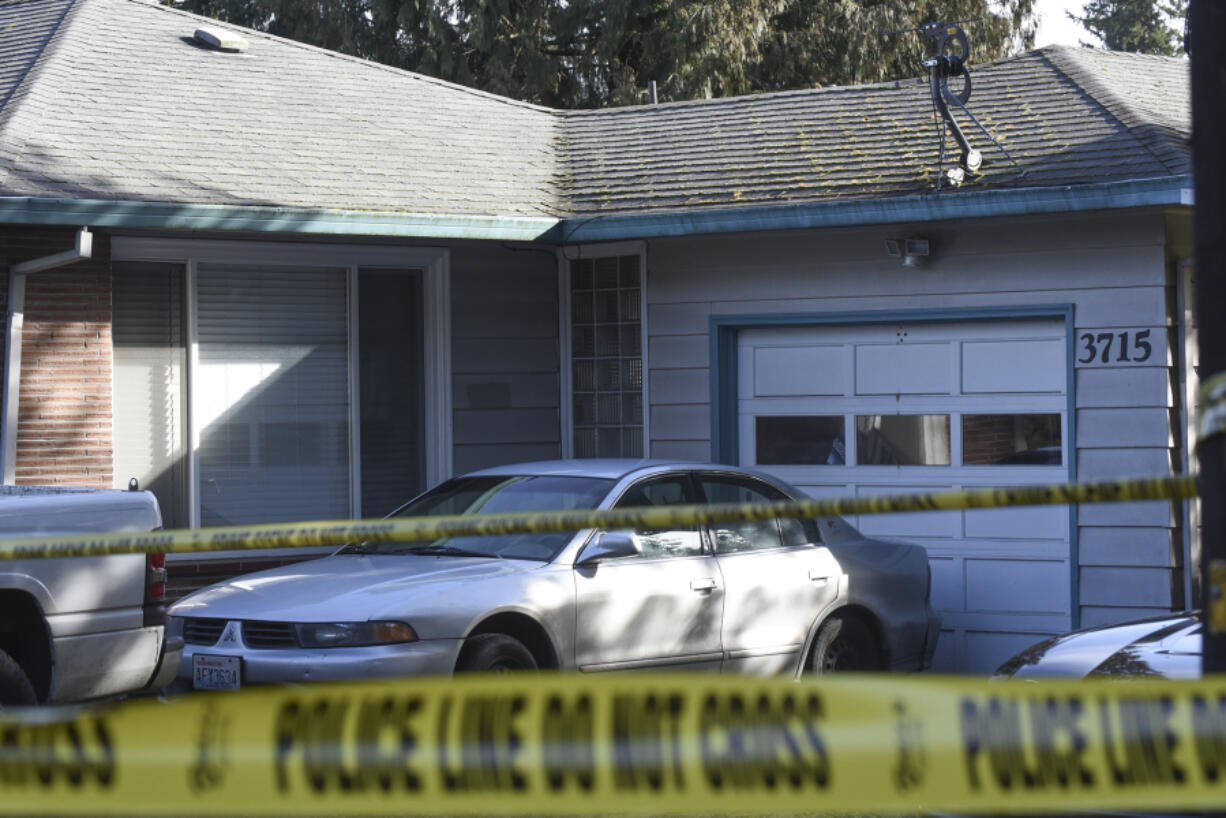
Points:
(614, 468)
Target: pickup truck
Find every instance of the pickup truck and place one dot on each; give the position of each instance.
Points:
(78, 628)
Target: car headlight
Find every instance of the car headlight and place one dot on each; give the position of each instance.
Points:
(174, 627)
(352, 634)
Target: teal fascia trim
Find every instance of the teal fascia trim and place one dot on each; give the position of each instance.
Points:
(1165, 191)
(163, 216)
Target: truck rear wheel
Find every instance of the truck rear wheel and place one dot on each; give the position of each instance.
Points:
(15, 687)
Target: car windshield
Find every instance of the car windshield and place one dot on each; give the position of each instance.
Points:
(496, 494)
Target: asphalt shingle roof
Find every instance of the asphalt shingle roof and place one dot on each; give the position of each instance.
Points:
(125, 106)
(111, 99)
(871, 141)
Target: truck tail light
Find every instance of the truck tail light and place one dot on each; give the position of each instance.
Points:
(155, 590)
(155, 577)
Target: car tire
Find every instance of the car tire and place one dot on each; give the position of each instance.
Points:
(15, 687)
(494, 653)
(844, 643)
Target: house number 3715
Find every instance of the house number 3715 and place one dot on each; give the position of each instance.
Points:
(1128, 347)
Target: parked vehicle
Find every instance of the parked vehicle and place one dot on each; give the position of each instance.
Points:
(1164, 647)
(780, 596)
(81, 627)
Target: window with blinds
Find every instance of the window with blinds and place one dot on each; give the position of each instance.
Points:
(150, 360)
(276, 404)
(271, 393)
(607, 356)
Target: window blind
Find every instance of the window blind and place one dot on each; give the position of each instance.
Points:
(272, 394)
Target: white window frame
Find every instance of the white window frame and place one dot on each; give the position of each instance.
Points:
(435, 266)
(566, 255)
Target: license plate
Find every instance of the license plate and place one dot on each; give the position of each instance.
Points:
(216, 672)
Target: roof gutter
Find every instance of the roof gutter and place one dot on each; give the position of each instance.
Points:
(264, 219)
(12, 348)
(980, 204)
(1164, 191)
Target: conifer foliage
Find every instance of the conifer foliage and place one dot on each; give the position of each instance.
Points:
(1140, 26)
(596, 53)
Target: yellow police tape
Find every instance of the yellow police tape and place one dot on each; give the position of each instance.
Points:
(339, 532)
(1212, 402)
(697, 744)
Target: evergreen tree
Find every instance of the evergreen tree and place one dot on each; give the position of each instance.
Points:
(595, 53)
(1140, 26)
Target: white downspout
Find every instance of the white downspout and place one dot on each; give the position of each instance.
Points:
(12, 347)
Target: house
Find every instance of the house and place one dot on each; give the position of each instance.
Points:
(318, 285)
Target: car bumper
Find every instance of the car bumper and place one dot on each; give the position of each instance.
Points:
(93, 665)
(168, 665)
(425, 658)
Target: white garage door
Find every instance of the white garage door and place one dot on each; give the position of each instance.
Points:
(883, 409)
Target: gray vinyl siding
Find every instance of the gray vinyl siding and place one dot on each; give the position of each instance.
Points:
(504, 356)
(1111, 267)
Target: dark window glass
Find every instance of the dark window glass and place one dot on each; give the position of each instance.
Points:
(902, 440)
(390, 375)
(806, 440)
(1011, 440)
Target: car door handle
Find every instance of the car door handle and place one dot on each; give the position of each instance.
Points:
(818, 577)
(703, 586)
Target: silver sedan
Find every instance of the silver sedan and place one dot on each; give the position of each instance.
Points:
(780, 596)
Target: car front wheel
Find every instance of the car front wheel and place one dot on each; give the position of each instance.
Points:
(494, 653)
(15, 687)
(844, 643)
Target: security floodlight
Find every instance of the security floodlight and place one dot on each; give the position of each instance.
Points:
(909, 250)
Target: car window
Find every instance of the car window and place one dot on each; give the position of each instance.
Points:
(495, 494)
(671, 490)
(731, 537)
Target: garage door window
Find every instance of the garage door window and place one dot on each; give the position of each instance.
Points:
(902, 440)
(1011, 440)
(811, 440)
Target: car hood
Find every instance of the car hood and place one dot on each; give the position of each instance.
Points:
(1162, 647)
(348, 587)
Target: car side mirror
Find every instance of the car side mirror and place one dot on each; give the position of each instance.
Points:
(610, 545)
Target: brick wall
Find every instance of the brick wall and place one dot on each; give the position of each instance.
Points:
(64, 431)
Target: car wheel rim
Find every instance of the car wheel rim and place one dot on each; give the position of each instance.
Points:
(841, 656)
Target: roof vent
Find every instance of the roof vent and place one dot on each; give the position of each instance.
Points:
(221, 40)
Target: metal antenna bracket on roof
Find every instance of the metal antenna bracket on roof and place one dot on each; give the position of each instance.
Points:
(949, 60)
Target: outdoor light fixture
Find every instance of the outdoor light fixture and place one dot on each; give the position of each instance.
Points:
(909, 250)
